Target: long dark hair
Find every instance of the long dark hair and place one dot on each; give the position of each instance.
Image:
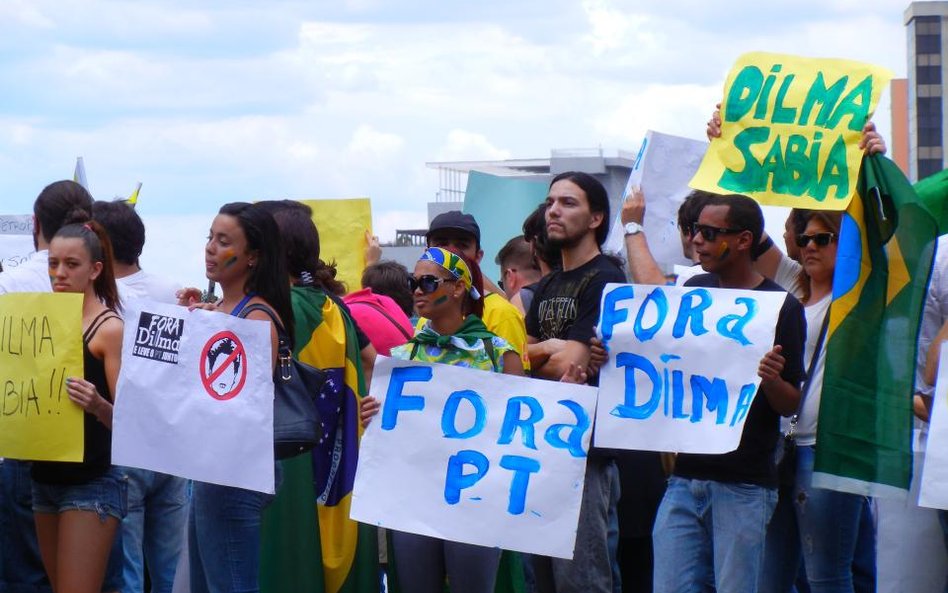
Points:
(268, 279)
(96, 241)
(301, 244)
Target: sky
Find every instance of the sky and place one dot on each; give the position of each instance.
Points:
(212, 102)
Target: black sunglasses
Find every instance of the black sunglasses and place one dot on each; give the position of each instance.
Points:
(427, 283)
(710, 233)
(821, 239)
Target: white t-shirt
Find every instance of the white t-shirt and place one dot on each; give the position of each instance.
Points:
(142, 285)
(30, 276)
(805, 431)
(788, 276)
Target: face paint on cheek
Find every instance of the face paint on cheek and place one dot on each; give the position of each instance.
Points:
(231, 259)
(724, 250)
(441, 299)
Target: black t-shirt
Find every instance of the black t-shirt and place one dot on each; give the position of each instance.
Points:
(566, 303)
(753, 460)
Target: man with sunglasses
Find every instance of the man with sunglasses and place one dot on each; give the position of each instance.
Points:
(460, 232)
(712, 522)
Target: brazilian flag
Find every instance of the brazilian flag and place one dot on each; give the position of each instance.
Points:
(884, 260)
(309, 544)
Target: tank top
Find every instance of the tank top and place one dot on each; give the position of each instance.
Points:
(97, 457)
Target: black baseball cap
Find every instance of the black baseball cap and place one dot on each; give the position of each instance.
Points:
(457, 221)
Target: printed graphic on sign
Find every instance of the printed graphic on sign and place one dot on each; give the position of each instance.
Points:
(223, 368)
(158, 337)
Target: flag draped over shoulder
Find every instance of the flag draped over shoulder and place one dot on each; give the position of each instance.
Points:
(305, 547)
(884, 260)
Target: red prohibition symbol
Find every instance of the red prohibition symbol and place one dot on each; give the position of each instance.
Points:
(223, 366)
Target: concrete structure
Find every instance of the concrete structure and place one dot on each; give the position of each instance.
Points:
(612, 170)
(927, 29)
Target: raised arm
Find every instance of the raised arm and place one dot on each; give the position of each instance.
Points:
(642, 265)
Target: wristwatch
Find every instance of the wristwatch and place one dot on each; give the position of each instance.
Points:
(633, 228)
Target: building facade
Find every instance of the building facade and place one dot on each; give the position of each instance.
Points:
(927, 29)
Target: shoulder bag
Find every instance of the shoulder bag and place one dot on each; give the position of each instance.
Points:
(296, 387)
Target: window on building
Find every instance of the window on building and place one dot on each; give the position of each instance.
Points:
(927, 167)
(927, 44)
(928, 75)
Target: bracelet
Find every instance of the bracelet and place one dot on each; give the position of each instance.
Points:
(762, 247)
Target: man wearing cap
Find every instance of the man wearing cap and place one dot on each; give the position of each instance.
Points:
(460, 232)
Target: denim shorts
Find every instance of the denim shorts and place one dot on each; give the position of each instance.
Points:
(107, 496)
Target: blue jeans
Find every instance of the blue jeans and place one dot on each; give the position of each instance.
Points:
(821, 526)
(21, 568)
(153, 530)
(710, 536)
(224, 538)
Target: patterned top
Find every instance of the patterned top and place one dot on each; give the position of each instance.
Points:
(460, 353)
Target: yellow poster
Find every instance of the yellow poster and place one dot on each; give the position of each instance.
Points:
(790, 130)
(342, 225)
(40, 346)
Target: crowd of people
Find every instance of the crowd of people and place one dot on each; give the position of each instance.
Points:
(647, 522)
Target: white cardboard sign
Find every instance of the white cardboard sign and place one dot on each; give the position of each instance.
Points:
(475, 457)
(682, 368)
(934, 492)
(195, 396)
(664, 166)
(16, 240)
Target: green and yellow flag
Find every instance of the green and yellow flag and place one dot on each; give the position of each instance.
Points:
(309, 544)
(884, 260)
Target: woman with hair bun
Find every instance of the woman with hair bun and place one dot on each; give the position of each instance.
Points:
(78, 507)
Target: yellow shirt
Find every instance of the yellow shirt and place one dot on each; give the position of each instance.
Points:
(505, 320)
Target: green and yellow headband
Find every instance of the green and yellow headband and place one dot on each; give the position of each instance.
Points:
(454, 264)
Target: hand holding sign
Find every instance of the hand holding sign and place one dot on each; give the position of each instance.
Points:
(86, 396)
(788, 130)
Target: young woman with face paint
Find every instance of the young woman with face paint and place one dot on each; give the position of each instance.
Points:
(244, 256)
(78, 507)
(447, 289)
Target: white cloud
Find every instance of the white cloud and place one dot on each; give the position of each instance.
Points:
(207, 104)
(464, 145)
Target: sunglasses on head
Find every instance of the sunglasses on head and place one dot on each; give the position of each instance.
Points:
(821, 239)
(427, 283)
(710, 233)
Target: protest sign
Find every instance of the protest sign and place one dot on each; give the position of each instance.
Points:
(476, 457)
(790, 130)
(16, 240)
(486, 196)
(933, 493)
(342, 225)
(682, 369)
(195, 396)
(662, 170)
(40, 345)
